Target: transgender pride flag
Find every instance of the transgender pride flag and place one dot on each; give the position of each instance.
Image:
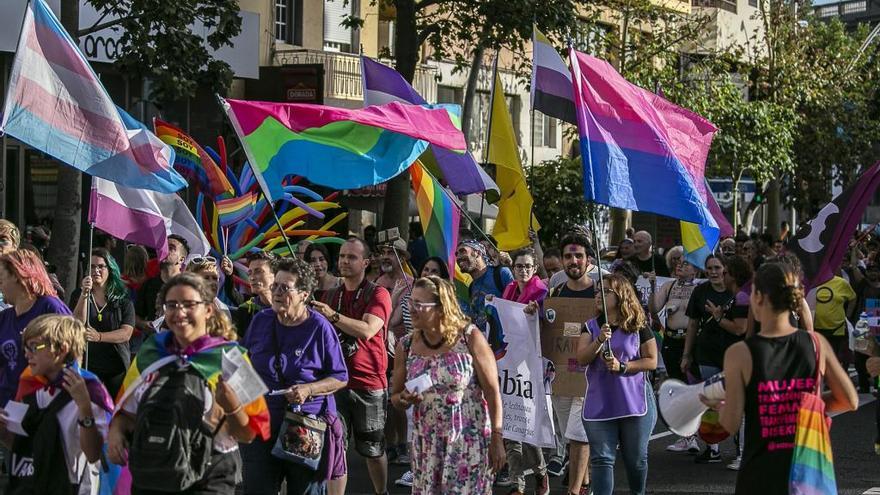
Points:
(56, 104)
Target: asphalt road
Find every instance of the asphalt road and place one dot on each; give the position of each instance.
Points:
(852, 436)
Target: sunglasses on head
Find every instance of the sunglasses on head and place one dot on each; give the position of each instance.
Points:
(203, 260)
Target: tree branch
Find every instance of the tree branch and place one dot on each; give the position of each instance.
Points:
(428, 31)
(99, 27)
(427, 3)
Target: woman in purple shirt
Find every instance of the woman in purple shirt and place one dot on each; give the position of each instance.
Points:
(25, 285)
(618, 347)
(296, 352)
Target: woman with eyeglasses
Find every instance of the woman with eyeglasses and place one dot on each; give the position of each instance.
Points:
(618, 349)
(174, 393)
(102, 303)
(318, 256)
(26, 286)
(527, 288)
(296, 352)
(709, 333)
(456, 441)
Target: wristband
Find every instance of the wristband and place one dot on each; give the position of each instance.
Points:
(234, 411)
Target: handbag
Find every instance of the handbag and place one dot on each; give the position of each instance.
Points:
(301, 437)
(812, 464)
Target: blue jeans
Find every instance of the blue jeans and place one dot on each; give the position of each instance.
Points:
(632, 434)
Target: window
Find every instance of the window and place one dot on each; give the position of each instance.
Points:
(337, 38)
(828, 11)
(286, 14)
(450, 94)
(753, 3)
(477, 138)
(592, 38)
(545, 131)
(854, 7)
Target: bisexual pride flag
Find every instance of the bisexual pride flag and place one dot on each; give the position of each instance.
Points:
(639, 151)
(337, 147)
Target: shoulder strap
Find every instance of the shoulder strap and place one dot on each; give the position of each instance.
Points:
(816, 347)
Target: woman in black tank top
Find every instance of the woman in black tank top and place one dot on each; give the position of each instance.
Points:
(765, 376)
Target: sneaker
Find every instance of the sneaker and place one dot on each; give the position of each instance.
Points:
(680, 446)
(405, 480)
(734, 466)
(708, 456)
(556, 467)
(693, 446)
(502, 478)
(586, 490)
(542, 485)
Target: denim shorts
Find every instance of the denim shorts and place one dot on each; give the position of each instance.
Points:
(363, 413)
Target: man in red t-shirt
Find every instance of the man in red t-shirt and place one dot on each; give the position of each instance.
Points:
(360, 310)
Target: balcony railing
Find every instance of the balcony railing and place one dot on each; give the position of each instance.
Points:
(728, 5)
(342, 73)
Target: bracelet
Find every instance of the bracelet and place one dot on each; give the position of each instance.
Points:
(100, 338)
(496, 432)
(234, 411)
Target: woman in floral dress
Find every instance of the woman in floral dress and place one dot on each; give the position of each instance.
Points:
(456, 440)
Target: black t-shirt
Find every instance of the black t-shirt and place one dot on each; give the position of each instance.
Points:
(712, 340)
(658, 266)
(564, 291)
(109, 359)
(145, 305)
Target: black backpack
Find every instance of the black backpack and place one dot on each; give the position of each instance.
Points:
(172, 444)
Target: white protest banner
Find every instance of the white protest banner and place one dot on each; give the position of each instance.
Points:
(516, 342)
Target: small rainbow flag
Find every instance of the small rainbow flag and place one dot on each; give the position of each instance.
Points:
(206, 360)
(440, 220)
(337, 147)
(193, 162)
(234, 210)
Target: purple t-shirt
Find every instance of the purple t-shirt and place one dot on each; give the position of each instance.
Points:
(309, 352)
(12, 361)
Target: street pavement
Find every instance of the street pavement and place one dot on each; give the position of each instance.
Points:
(852, 436)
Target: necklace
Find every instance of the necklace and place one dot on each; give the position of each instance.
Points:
(100, 310)
(430, 345)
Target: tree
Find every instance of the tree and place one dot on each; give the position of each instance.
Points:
(559, 188)
(159, 45)
(460, 30)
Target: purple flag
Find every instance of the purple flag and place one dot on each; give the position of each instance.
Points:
(382, 85)
(822, 243)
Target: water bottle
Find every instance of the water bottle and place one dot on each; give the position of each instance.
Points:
(860, 333)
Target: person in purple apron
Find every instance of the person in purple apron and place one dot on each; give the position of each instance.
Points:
(618, 348)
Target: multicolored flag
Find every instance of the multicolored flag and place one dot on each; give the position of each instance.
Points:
(56, 103)
(206, 359)
(337, 147)
(639, 151)
(551, 81)
(515, 216)
(143, 217)
(233, 210)
(193, 162)
(822, 243)
(462, 174)
(440, 220)
(699, 242)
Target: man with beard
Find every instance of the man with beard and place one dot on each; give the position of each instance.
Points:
(390, 265)
(145, 307)
(360, 310)
(575, 250)
(472, 259)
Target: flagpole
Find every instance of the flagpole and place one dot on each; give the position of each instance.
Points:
(491, 107)
(606, 352)
(460, 209)
(280, 228)
(89, 296)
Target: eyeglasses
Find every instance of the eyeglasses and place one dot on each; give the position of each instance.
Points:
(97, 268)
(284, 289)
(423, 306)
(203, 260)
(169, 306)
(35, 347)
(609, 291)
(523, 267)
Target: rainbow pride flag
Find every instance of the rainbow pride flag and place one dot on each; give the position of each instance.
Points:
(440, 219)
(193, 162)
(207, 360)
(233, 210)
(337, 147)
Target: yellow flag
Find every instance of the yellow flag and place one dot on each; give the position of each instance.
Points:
(515, 207)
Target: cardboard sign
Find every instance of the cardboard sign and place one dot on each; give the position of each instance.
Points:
(564, 317)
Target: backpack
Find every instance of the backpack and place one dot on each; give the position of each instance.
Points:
(496, 278)
(172, 444)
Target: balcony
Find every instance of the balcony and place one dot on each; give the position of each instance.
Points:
(728, 5)
(342, 73)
